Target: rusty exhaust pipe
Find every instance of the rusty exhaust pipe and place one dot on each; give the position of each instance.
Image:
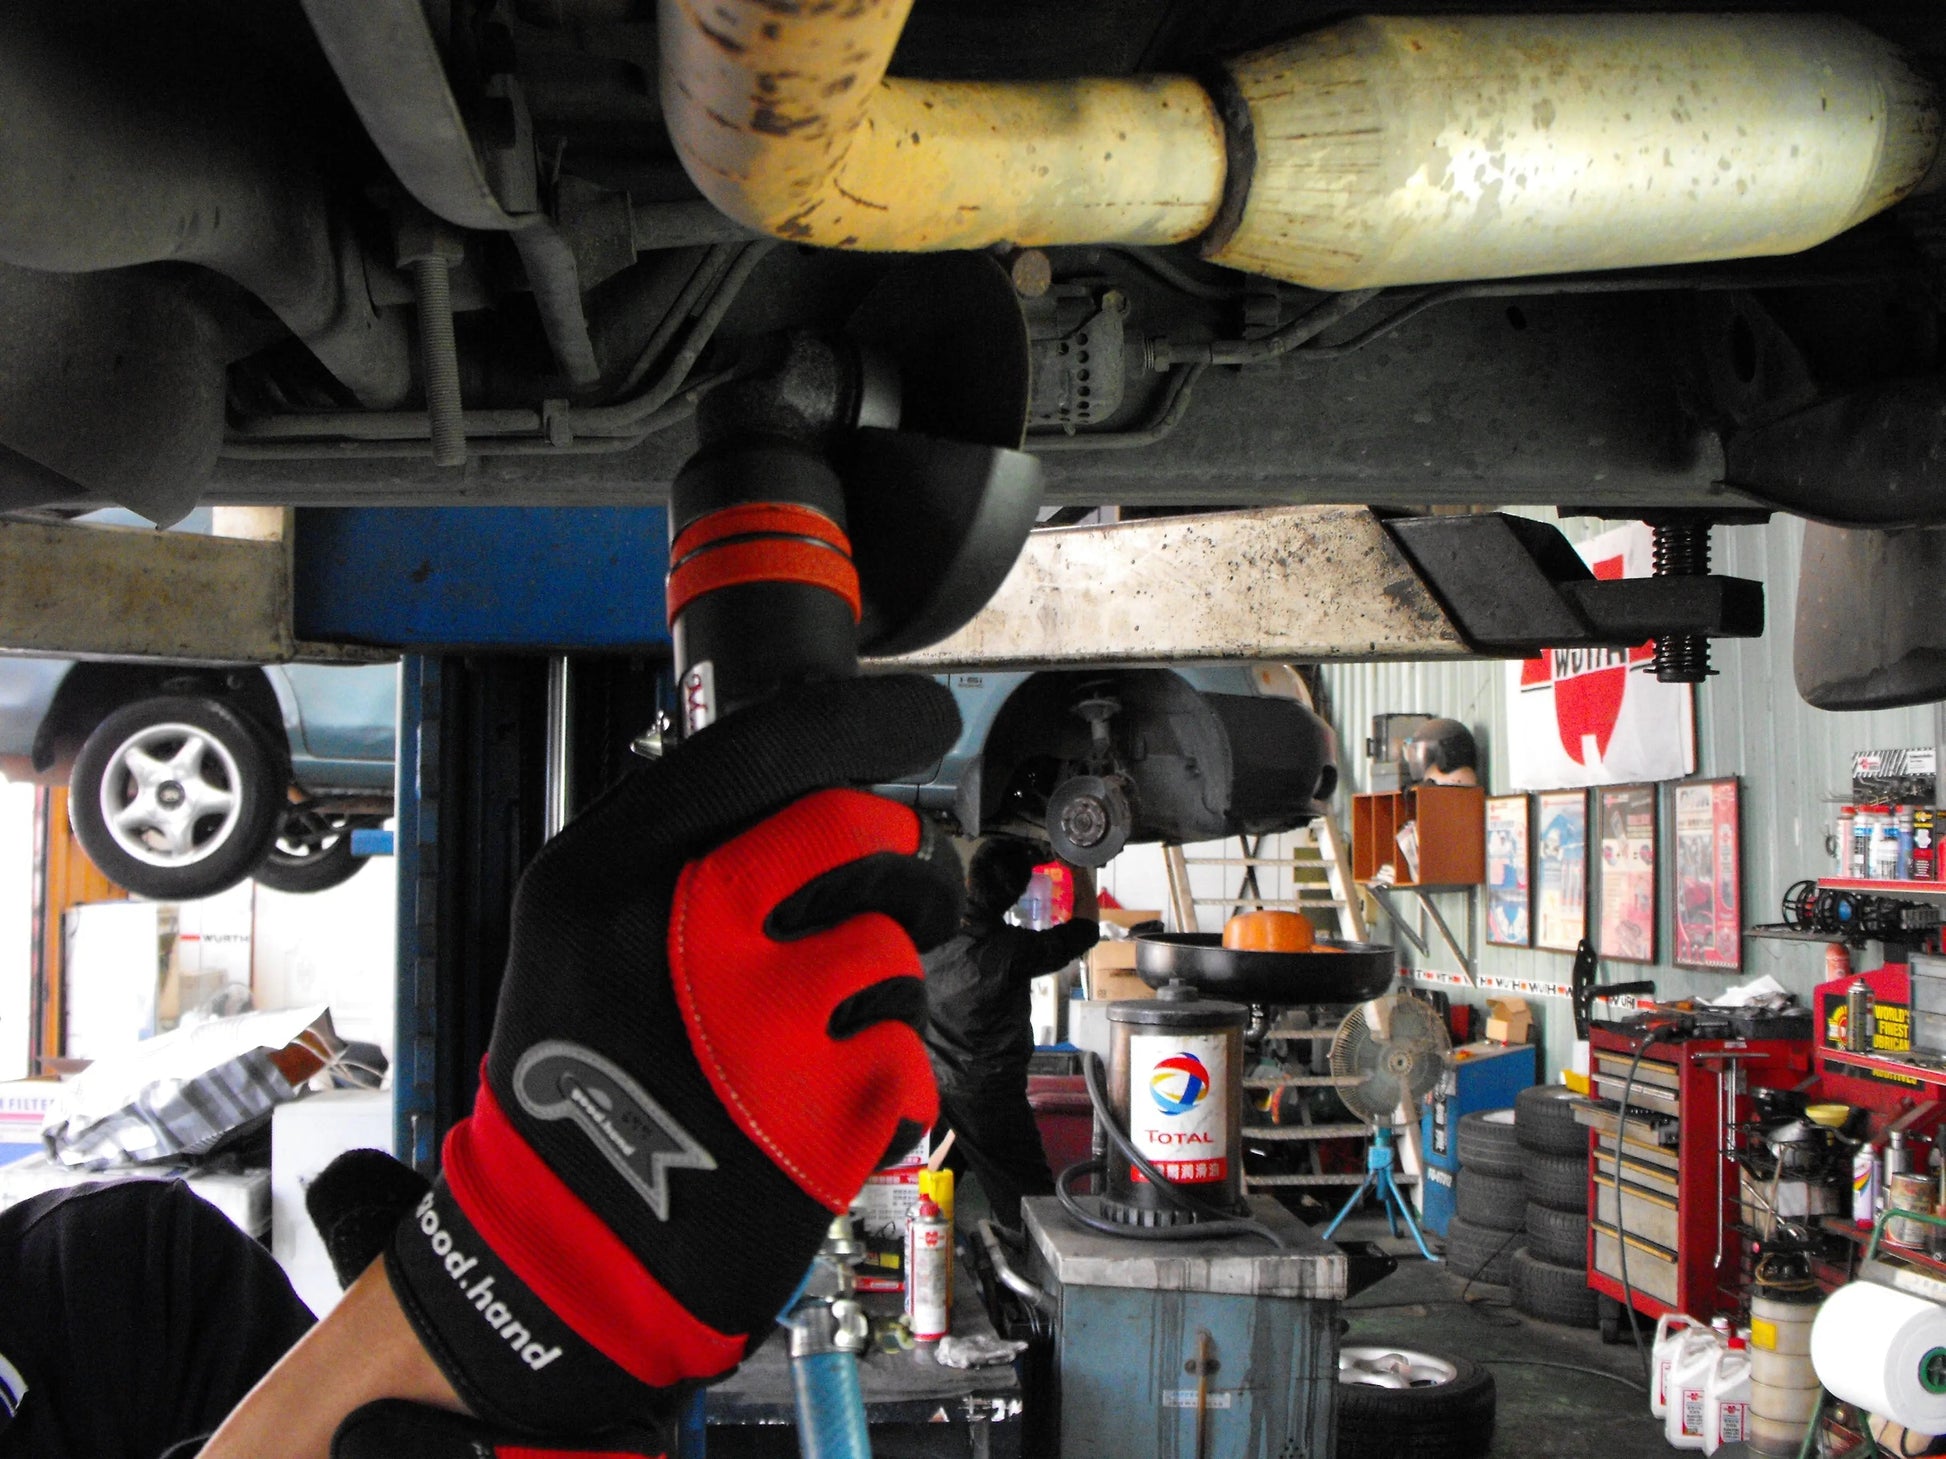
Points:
(1379, 151)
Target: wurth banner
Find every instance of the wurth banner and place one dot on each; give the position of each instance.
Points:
(1596, 716)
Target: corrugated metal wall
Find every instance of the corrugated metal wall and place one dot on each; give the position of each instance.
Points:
(1794, 762)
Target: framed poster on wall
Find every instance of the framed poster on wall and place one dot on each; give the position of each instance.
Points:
(1509, 871)
(1561, 870)
(1625, 822)
(1709, 875)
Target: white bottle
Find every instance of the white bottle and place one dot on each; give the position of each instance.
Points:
(1689, 1379)
(1672, 1331)
(1726, 1398)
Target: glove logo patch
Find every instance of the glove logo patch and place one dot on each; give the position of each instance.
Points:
(555, 1080)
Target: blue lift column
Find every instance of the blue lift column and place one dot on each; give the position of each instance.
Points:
(477, 599)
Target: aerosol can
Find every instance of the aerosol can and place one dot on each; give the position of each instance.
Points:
(928, 1271)
(937, 1186)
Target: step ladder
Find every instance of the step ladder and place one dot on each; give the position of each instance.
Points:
(1320, 868)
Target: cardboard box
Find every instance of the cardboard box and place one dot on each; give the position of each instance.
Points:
(1111, 975)
(23, 1108)
(1508, 1021)
(878, 1219)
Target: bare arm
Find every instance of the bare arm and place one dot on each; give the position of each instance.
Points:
(364, 1350)
(1087, 904)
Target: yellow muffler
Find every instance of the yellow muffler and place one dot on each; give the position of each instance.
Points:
(1379, 151)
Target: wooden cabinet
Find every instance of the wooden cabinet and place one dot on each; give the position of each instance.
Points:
(1451, 820)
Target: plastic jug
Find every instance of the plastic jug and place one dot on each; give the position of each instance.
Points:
(1689, 1377)
(1726, 1397)
(1672, 1330)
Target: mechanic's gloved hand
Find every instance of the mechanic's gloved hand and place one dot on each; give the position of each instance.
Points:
(701, 1050)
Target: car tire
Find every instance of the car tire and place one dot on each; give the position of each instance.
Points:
(1490, 1200)
(310, 853)
(1442, 1408)
(1480, 1253)
(1553, 1293)
(1560, 1181)
(1488, 1143)
(134, 794)
(1544, 1120)
(1558, 1236)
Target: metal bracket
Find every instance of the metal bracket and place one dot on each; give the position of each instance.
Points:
(1514, 586)
(1420, 942)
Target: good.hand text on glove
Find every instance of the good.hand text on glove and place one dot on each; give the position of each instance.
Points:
(492, 1310)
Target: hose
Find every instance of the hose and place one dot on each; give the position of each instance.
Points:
(830, 1407)
(1621, 1227)
(1035, 1296)
(1205, 1221)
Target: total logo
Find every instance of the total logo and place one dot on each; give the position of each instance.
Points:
(1178, 1084)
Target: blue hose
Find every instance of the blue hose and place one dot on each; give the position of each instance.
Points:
(830, 1407)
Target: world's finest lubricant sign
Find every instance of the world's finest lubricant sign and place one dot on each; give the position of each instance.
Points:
(1178, 1106)
(1596, 716)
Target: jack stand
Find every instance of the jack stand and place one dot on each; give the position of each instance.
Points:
(1378, 1177)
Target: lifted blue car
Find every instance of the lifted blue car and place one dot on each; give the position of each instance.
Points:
(183, 781)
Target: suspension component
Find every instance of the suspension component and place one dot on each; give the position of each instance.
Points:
(1681, 549)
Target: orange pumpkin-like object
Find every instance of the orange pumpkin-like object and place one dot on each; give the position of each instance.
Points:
(1269, 932)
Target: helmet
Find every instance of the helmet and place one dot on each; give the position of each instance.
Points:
(1441, 746)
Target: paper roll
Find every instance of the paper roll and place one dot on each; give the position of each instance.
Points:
(1885, 1351)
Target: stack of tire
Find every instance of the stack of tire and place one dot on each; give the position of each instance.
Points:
(1490, 1201)
(1549, 1275)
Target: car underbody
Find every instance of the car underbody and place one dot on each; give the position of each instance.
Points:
(382, 252)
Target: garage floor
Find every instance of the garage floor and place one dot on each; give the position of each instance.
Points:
(1544, 1412)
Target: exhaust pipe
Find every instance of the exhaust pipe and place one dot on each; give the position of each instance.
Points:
(1380, 151)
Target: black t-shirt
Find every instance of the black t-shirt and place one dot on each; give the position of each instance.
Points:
(136, 1316)
(979, 1002)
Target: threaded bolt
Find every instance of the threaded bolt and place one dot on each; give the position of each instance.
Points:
(439, 359)
(1681, 551)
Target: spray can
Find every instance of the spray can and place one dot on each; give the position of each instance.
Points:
(1925, 850)
(1864, 1187)
(1858, 1018)
(1847, 821)
(1861, 841)
(937, 1187)
(1902, 825)
(928, 1253)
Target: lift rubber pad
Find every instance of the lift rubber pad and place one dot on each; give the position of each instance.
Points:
(1351, 973)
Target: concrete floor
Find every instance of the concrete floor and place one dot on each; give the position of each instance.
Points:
(1544, 1412)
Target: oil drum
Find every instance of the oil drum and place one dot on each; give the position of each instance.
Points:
(1175, 1085)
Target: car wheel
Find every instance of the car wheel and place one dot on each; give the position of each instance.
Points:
(1406, 1403)
(1480, 1253)
(1544, 1120)
(1552, 1292)
(312, 852)
(1487, 1143)
(176, 797)
(1492, 1201)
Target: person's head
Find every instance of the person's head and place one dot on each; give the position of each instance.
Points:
(1443, 752)
(998, 876)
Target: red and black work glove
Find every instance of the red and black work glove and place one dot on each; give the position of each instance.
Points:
(706, 1040)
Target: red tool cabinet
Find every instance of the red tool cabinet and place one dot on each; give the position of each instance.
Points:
(1678, 1198)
